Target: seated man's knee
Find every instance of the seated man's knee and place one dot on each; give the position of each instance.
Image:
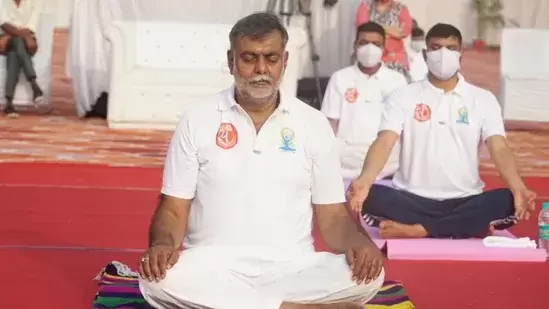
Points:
(366, 291)
(17, 40)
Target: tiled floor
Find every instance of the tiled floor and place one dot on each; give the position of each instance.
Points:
(61, 136)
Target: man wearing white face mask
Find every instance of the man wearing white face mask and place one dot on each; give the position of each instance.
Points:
(245, 171)
(437, 189)
(353, 99)
(418, 67)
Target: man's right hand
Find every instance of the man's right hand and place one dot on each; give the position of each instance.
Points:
(156, 261)
(356, 195)
(4, 43)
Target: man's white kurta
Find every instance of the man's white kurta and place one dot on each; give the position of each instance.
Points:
(441, 135)
(355, 100)
(248, 242)
(264, 183)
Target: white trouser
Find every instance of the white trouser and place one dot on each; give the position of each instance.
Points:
(203, 278)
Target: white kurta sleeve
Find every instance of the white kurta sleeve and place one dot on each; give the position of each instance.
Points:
(327, 183)
(181, 166)
(392, 118)
(492, 118)
(331, 104)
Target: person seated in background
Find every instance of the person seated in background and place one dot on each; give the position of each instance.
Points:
(437, 189)
(18, 22)
(397, 21)
(241, 172)
(352, 101)
(418, 68)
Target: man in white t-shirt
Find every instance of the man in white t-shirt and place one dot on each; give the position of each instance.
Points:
(352, 101)
(18, 25)
(418, 67)
(437, 190)
(245, 171)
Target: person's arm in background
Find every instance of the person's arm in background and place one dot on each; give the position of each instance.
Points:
(405, 29)
(331, 104)
(362, 14)
(406, 22)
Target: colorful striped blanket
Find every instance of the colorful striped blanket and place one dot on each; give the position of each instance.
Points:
(119, 288)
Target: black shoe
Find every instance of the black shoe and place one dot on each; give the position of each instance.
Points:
(38, 95)
(10, 112)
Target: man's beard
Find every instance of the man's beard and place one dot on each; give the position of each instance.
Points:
(260, 88)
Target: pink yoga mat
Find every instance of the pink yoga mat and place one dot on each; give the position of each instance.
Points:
(459, 250)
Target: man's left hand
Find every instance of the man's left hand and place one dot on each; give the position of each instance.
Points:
(366, 262)
(525, 203)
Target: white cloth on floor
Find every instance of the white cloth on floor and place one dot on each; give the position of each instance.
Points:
(506, 242)
(219, 277)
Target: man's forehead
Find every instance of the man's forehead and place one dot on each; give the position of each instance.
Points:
(444, 41)
(369, 36)
(273, 42)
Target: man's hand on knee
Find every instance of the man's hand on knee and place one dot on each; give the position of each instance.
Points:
(366, 262)
(4, 43)
(156, 261)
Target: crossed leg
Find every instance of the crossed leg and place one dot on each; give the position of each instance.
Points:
(200, 280)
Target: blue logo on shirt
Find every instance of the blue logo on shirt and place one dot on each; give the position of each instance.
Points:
(287, 140)
(463, 116)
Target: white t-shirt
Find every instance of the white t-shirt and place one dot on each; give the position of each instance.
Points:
(253, 191)
(27, 15)
(355, 99)
(441, 134)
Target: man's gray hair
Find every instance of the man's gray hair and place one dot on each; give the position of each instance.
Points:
(257, 26)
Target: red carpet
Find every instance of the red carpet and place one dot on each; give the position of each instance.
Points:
(104, 207)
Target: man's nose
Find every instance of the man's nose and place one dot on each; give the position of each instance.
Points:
(260, 66)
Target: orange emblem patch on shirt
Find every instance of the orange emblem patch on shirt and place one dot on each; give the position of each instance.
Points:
(422, 112)
(351, 94)
(227, 136)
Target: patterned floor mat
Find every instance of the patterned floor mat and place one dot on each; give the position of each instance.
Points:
(119, 288)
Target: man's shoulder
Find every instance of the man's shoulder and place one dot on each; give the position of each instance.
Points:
(309, 115)
(411, 90)
(344, 73)
(204, 108)
(479, 92)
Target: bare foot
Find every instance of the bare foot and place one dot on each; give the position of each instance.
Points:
(391, 229)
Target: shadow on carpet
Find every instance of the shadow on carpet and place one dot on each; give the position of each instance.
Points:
(119, 288)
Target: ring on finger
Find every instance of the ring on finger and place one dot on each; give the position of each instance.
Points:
(144, 259)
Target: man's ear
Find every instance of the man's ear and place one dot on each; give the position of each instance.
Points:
(230, 60)
(286, 55)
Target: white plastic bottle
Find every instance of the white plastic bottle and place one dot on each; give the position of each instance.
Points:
(543, 223)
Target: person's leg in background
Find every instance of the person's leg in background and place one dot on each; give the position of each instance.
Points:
(402, 214)
(24, 51)
(474, 216)
(13, 70)
(399, 214)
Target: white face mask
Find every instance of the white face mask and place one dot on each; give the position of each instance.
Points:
(418, 45)
(369, 55)
(443, 63)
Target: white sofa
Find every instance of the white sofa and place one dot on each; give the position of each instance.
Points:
(42, 65)
(160, 68)
(524, 91)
